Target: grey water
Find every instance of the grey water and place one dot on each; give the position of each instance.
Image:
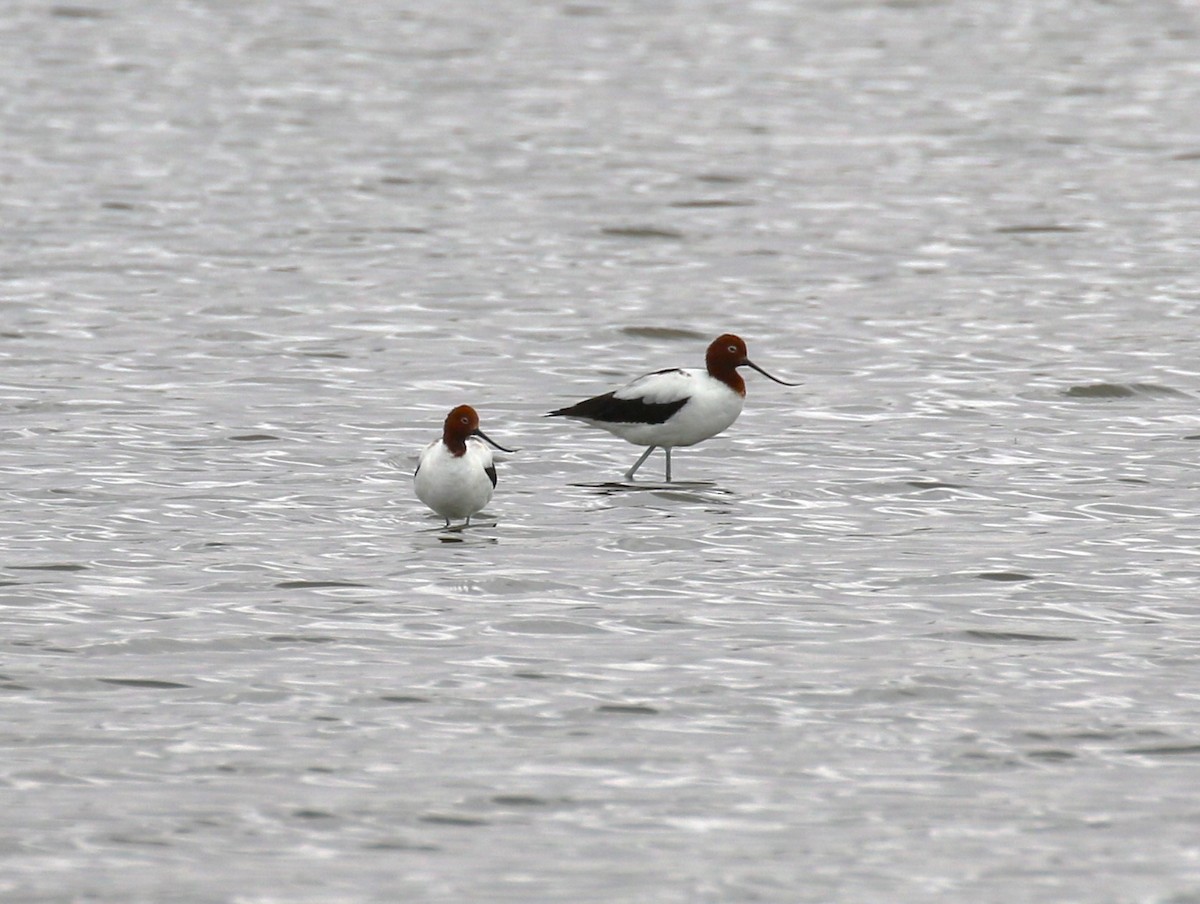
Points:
(926, 628)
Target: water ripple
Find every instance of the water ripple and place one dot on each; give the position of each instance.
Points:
(922, 628)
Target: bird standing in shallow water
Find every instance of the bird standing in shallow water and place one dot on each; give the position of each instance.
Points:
(679, 407)
(455, 476)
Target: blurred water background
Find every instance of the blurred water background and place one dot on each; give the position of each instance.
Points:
(925, 629)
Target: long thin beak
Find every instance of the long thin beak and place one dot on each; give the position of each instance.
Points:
(484, 436)
(750, 363)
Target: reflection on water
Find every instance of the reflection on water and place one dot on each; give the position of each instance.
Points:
(923, 629)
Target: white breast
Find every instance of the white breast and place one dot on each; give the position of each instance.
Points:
(454, 486)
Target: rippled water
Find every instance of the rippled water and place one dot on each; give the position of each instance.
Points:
(922, 629)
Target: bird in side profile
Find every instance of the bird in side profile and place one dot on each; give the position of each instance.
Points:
(670, 408)
(455, 475)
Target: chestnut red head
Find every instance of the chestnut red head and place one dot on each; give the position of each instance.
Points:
(725, 355)
(462, 423)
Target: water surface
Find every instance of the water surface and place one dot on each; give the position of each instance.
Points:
(923, 629)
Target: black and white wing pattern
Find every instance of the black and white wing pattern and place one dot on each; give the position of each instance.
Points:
(650, 399)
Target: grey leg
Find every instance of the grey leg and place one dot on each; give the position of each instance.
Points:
(637, 464)
(667, 449)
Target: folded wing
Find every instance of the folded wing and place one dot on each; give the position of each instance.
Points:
(651, 399)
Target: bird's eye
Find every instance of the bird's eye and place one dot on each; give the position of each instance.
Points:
(733, 348)
(466, 420)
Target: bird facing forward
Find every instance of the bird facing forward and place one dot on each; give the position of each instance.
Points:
(455, 475)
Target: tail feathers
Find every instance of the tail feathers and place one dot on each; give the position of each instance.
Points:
(592, 409)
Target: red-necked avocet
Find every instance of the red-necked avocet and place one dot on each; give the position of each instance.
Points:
(455, 475)
(679, 407)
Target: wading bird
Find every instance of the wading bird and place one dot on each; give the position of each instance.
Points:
(455, 475)
(677, 407)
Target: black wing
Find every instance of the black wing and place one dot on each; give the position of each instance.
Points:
(610, 409)
(490, 471)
